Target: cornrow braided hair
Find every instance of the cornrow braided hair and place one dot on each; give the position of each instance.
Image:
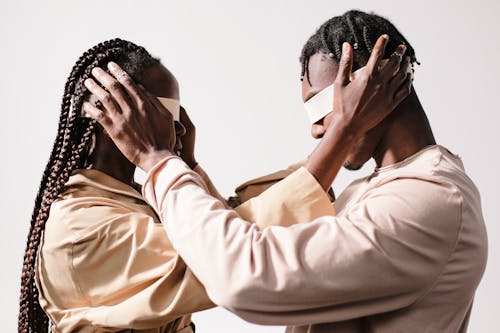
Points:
(69, 152)
(359, 29)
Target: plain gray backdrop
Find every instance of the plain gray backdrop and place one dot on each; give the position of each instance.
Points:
(237, 64)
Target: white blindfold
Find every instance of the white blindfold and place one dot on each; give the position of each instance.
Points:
(321, 104)
(171, 104)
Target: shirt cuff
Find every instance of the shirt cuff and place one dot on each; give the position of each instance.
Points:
(298, 198)
(162, 176)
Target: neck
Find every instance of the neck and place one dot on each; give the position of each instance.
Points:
(107, 158)
(408, 132)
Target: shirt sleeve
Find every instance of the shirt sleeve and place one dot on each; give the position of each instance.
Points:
(383, 254)
(208, 183)
(129, 275)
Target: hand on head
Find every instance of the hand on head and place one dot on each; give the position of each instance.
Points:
(359, 106)
(137, 122)
(364, 102)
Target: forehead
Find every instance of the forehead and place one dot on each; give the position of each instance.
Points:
(159, 81)
(322, 71)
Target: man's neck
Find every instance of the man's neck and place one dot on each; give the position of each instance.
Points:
(408, 132)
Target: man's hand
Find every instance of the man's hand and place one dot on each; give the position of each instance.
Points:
(188, 140)
(359, 105)
(137, 122)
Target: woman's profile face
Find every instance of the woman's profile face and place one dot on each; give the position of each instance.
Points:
(160, 82)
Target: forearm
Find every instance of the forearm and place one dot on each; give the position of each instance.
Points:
(326, 160)
(276, 276)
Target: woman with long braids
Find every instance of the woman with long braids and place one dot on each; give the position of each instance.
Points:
(97, 258)
(85, 170)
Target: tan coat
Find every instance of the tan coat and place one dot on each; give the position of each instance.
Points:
(107, 265)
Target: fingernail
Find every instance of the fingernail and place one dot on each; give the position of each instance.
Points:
(96, 71)
(345, 47)
(407, 58)
(88, 83)
(112, 66)
(385, 36)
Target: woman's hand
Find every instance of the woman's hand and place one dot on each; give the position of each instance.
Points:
(359, 106)
(188, 140)
(137, 122)
(364, 102)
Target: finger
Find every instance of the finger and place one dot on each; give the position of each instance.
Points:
(394, 64)
(184, 118)
(126, 81)
(400, 77)
(114, 87)
(403, 91)
(377, 54)
(96, 114)
(102, 95)
(345, 65)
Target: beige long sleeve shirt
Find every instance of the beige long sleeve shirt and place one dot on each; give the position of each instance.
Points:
(404, 254)
(106, 264)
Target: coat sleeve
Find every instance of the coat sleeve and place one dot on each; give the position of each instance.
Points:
(383, 254)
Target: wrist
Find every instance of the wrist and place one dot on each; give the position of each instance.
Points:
(148, 161)
(344, 127)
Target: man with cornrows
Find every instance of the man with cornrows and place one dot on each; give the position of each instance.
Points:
(407, 247)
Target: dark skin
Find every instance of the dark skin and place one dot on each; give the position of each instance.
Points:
(146, 137)
(106, 157)
(403, 133)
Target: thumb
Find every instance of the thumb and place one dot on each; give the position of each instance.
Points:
(345, 66)
(184, 118)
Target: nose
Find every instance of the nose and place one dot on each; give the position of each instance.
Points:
(318, 129)
(178, 144)
(180, 130)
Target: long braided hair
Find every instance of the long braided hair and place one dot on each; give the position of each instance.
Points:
(359, 29)
(69, 152)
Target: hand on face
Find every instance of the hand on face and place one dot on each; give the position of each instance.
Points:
(363, 103)
(188, 140)
(359, 106)
(137, 122)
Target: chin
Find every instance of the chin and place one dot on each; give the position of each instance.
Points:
(353, 166)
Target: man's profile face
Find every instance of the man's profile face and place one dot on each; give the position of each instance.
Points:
(322, 73)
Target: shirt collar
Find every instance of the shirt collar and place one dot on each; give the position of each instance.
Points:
(100, 180)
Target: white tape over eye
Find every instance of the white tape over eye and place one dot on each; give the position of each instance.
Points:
(321, 104)
(172, 105)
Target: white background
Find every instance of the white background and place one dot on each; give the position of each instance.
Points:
(237, 65)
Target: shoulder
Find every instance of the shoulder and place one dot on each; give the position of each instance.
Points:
(419, 210)
(86, 217)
